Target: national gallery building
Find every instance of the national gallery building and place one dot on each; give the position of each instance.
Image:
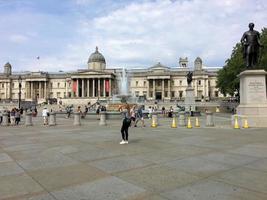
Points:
(99, 82)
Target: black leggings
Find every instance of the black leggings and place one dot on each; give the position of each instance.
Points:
(124, 132)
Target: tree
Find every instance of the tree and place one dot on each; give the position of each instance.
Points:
(227, 80)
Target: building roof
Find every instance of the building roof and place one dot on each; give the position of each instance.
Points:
(96, 57)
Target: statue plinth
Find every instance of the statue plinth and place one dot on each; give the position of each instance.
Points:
(253, 102)
(190, 104)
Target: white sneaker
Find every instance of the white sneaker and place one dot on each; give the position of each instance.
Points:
(126, 142)
(122, 142)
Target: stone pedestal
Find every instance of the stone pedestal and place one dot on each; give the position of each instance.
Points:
(5, 119)
(52, 119)
(28, 119)
(209, 119)
(181, 119)
(253, 103)
(102, 121)
(190, 104)
(77, 119)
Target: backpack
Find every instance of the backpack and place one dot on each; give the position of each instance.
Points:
(127, 121)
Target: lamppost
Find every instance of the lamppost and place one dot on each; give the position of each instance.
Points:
(20, 80)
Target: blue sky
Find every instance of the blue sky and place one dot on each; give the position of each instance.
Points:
(129, 33)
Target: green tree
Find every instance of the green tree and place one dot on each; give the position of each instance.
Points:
(227, 80)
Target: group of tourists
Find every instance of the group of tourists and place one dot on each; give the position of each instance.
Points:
(14, 116)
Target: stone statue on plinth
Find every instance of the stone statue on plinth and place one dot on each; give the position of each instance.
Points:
(189, 77)
(251, 46)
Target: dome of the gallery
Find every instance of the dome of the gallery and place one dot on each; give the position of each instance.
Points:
(96, 57)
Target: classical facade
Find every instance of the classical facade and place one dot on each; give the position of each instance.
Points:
(158, 82)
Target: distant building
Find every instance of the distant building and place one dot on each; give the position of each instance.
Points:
(158, 82)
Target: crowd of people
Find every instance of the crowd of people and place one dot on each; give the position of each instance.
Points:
(14, 116)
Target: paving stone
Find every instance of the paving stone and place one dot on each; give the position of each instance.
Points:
(158, 178)
(109, 188)
(246, 178)
(198, 166)
(5, 158)
(121, 163)
(258, 165)
(25, 147)
(251, 150)
(56, 178)
(9, 168)
(212, 190)
(18, 185)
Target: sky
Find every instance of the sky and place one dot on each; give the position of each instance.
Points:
(129, 33)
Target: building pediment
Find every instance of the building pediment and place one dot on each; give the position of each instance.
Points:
(159, 68)
(92, 74)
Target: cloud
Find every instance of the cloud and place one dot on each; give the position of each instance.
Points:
(18, 38)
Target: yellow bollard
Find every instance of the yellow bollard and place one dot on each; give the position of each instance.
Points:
(174, 123)
(245, 123)
(236, 125)
(217, 109)
(189, 123)
(153, 124)
(197, 122)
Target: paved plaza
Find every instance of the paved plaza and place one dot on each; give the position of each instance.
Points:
(86, 162)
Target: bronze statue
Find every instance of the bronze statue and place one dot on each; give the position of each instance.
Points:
(251, 46)
(189, 76)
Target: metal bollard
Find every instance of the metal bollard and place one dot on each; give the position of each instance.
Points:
(52, 119)
(28, 119)
(77, 119)
(155, 117)
(182, 118)
(5, 119)
(209, 119)
(102, 121)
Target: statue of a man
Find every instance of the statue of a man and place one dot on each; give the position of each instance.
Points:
(251, 46)
(189, 76)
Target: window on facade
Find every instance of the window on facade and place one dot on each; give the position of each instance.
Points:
(58, 85)
(165, 94)
(180, 94)
(172, 94)
(144, 83)
(151, 94)
(65, 84)
(136, 83)
(51, 94)
(58, 94)
(172, 82)
(145, 93)
(181, 82)
(216, 93)
(3, 85)
(183, 65)
(51, 85)
(13, 85)
(136, 93)
(199, 82)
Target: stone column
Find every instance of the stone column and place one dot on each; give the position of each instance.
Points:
(45, 90)
(169, 89)
(109, 92)
(88, 88)
(104, 87)
(98, 87)
(31, 90)
(181, 118)
(5, 119)
(83, 88)
(66, 89)
(102, 121)
(77, 119)
(154, 89)
(52, 119)
(163, 92)
(78, 91)
(28, 119)
(71, 85)
(93, 87)
(39, 84)
(209, 119)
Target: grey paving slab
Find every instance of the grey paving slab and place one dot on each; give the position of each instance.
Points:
(45, 196)
(251, 150)
(18, 185)
(25, 147)
(121, 163)
(56, 178)
(247, 178)
(198, 166)
(258, 165)
(212, 190)
(158, 178)
(109, 188)
(9, 168)
(5, 158)
(43, 162)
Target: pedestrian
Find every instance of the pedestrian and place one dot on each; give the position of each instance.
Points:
(126, 123)
(12, 116)
(17, 116)
(149, 112)
(140, 116)
(163, 111)
(1, 116)
(45, 115)
(132, 114)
